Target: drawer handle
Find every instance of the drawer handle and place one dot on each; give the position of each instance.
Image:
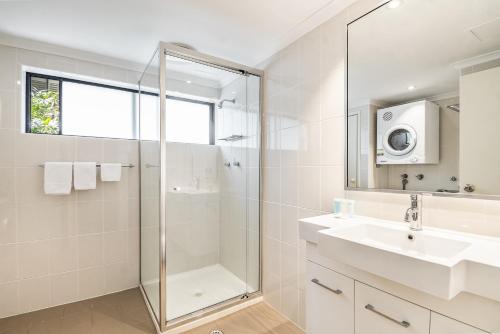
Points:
(335, 291)
(405, 324)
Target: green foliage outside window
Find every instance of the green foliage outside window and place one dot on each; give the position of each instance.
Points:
(45, 112)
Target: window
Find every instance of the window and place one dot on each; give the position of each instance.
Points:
(56, 105)
(98, 112)
(189, 121)
(45, 97)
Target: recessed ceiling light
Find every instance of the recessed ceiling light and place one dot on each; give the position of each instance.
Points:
(411, 87)
(394, 4)
(188, 81)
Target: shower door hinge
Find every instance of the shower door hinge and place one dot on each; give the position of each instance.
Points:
(245, 296)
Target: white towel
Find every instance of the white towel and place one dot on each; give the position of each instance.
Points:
(111, 172)
(57, 178)
(84, 175)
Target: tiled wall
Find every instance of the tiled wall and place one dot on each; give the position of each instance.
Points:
(58, 249)
(193, 215)
(304, 160)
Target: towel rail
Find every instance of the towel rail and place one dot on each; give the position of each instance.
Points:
(99, 165)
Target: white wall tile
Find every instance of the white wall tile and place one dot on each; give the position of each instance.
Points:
(7, 185)
(271, 185)
(63, 255)
(7, 67)
(310, 144)
(9, 303)
(34, 294)
(114, 247)
(91, 282)
(90, 250)
(32, 222)
(64, 288)
(30, 149)
(332, 141)
(8, 224)
(271, 217)
(290, 185)
(61, 148)
(7, 138)
(8, 263)
(53, 245)
(89, 217)
(33, 259)
(289, 225)
(309, 187)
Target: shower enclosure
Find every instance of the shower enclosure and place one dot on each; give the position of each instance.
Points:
(200, 151)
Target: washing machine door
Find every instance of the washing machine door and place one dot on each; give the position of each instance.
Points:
(400, 140)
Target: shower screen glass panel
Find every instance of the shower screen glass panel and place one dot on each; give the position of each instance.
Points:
(149, 115)
(212, 200)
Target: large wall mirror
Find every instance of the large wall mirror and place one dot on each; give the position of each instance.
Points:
(423, 111)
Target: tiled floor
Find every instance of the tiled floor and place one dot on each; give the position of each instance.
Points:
(125, 313)
(119, 313)
(256, 319)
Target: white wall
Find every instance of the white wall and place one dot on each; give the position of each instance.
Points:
(59, 249)
(304, 160)
(480, 106)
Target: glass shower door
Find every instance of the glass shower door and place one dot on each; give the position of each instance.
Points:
(212, 200)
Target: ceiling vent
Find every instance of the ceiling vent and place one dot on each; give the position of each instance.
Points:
(487, 31)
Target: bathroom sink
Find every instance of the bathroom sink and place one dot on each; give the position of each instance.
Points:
(439, 262)
(418, 245)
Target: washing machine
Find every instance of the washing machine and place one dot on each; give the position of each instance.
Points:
(408, 134)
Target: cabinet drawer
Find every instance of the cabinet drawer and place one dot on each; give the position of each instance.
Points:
(380, 312)
(329, 301)
(444, 325)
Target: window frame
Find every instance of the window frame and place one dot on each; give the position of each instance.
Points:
(28, 87)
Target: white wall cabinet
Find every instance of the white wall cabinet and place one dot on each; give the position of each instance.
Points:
(329, 300)
(444, 325)
(380, 312)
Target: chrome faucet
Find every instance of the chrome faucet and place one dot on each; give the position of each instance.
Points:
(413, 214)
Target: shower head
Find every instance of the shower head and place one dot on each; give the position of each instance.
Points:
(221, 102)
(454, 107)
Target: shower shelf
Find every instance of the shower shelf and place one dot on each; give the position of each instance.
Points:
(233, 138)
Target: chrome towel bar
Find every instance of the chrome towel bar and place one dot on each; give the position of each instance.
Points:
(99, 165)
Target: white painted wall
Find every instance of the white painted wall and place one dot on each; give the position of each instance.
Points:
(480, 109)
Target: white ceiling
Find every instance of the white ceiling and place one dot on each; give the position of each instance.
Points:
(238, 30)
(418, 44)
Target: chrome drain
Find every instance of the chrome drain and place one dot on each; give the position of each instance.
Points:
(216, 332)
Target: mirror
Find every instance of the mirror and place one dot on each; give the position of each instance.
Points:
(423, 111)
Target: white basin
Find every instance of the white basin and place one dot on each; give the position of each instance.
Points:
(439, 262)
(418, 245)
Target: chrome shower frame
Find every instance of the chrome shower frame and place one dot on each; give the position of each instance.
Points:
(168, 49)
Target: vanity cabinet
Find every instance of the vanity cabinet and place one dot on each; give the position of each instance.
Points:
(380, 312)
(444, 325)
(337, 304)
(329, 300)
